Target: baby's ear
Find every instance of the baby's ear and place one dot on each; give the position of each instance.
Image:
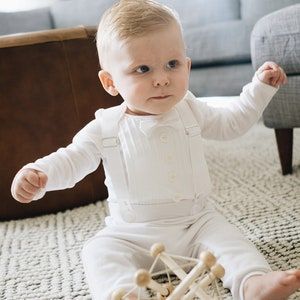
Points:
(189, 63)
(107, 82)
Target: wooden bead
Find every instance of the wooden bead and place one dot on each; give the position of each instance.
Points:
(118, 294)
(156, 249)
(142, 278)
(208, 258)
(218, 271)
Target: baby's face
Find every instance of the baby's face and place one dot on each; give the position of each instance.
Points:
(151, 73)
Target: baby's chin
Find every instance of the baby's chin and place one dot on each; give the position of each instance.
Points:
(156, 112)
(157, 109)
(154, 106)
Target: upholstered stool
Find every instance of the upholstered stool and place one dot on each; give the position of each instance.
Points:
(276, 37)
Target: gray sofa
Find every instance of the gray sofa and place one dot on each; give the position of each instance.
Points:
(276, 37)
(217, 34)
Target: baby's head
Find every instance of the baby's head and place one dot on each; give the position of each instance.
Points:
(142, 55)
(129, 19)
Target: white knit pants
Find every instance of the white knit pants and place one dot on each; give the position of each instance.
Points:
(111, 257)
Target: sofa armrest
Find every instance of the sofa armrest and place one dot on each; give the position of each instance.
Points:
(276, 37)
(45, 36)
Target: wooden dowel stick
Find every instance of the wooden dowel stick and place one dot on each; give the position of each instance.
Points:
(158, 288)
(118, 294)
(207, 280)
(217, 271)
(189, 296)
(174, 267)
(188, 280)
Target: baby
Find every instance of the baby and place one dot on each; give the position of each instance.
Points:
(152, 152)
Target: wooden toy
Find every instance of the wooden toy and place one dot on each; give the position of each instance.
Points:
(198, 282)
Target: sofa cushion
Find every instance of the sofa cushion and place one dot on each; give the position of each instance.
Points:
(219, 43)
(71, 13)
(276, 37)
(225, 80)
(252, 10)
(203, 12)
(24, 21)
(192, 13)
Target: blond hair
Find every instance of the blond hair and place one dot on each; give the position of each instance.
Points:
(129, 19)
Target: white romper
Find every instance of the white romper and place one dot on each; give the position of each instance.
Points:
(158, 182)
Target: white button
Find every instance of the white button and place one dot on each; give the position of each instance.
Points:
(177, 197)
(197, 208)
(169, 158)
(164, 137)
(198, 204)
(172, 176)
(128, 216)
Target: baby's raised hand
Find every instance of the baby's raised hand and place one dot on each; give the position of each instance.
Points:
(27, 183)
(270, 73)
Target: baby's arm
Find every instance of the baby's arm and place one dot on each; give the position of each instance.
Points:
(61, 169)
(236, 116)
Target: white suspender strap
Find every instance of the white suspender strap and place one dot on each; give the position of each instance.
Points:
(112, 156)
(193, 132)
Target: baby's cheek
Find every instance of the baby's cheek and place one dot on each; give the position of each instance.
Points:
(182, 80)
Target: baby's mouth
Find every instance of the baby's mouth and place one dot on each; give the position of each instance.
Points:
(161, 97)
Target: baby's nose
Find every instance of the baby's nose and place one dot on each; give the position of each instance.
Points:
(161, 80)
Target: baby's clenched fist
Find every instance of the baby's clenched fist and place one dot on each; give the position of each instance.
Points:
(27, 184)
(270, 73)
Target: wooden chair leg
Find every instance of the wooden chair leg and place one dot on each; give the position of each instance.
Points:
(284, 138)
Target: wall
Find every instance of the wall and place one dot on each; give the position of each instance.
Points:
(18, 5)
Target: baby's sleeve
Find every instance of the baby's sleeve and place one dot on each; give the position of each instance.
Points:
(67, 166)
(235, 117)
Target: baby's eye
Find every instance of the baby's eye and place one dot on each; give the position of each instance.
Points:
(143, 69)
(172, 64)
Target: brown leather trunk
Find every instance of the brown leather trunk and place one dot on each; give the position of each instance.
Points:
(49, 89)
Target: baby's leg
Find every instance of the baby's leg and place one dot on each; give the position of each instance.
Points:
(277, 285)
(240, 258)
(238, 255)
(110, 264)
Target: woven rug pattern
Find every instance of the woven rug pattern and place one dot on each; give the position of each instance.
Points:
(40, 257)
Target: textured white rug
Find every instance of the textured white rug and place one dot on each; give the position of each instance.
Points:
(40, 257)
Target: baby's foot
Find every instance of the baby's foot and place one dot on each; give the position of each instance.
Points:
(277, 285)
